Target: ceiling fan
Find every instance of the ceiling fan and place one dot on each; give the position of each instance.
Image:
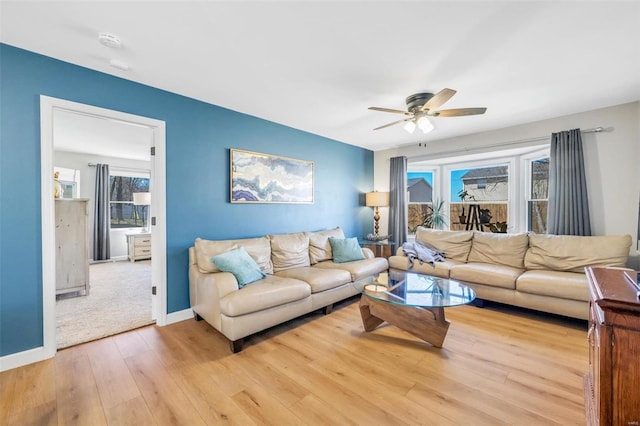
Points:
(423, 105)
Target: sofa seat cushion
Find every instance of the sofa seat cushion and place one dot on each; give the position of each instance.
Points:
(266, 293)
(565, 285)
(571, 253)
(501, 249)
(289, 251)
(359, 268)
(319, 279)
(438, 269)
(487, 274)
(454, 244)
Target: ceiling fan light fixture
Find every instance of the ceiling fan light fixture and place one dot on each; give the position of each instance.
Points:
(425, 124)
(410, 126)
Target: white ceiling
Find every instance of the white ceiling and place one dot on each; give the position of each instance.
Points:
(318, 65)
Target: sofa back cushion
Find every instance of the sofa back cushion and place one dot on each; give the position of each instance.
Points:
(289, 251)
(319, 247)
(258, 248)
(499, 249)
(572, 253)
(454, 244)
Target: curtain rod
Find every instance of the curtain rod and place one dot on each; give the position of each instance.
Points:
(132, 169)
(495, 145)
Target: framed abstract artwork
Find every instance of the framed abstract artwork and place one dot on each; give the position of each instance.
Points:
(265, 178)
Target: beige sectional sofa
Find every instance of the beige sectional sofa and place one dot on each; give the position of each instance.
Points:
(541, 272)
(301, 277)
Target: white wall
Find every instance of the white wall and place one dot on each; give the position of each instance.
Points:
(612, 161)
(79, 161)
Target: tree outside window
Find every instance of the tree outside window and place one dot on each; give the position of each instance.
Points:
(538, 196)
(123, 213)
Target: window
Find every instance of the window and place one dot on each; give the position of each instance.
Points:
(123, 213)
(537, 195)
(479, 198)
(69, 181)
(420, 196)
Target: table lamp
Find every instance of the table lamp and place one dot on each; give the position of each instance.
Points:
(142, 199)
(376, 199)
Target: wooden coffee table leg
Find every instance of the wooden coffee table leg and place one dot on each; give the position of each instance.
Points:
(429, 325)
(369, 321)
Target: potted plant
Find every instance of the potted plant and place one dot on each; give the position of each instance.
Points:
(498, 227)
(436, 217)
(464, 196)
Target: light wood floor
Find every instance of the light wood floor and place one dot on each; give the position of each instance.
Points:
(496, 367)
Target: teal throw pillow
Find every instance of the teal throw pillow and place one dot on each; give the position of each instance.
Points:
(345, 249)
(240, 264)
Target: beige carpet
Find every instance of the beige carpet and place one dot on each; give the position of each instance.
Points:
(119, 300)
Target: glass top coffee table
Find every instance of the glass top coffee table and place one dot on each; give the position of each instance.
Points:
(413, 302)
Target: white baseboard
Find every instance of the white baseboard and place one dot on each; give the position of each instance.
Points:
(19, 359)
(178, 316)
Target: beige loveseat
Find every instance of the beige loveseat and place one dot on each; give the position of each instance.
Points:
(541, 272)
(301, 277)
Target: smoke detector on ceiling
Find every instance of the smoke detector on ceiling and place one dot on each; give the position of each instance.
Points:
(110, 40)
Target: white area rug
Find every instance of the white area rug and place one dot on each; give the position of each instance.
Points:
(119, 300)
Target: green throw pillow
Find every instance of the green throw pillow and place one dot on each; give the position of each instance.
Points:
(240, 264)
(345, 250)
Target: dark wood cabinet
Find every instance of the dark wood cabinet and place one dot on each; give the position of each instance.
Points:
(612, 384)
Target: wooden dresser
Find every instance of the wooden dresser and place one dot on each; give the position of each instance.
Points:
(72, 245)
(139, 246)
(612, 384)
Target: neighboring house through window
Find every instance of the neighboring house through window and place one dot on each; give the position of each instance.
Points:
(420, 189)
(479, 198)
(502, 191)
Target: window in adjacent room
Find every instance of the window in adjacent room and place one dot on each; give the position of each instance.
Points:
(121, 188)
(69, 181)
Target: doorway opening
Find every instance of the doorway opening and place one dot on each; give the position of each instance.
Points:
(55, 114)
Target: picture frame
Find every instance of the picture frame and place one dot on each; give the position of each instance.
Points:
(266, 178)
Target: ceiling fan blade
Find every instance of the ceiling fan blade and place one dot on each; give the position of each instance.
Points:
(457, 112)
(438, 99)
(395, 111)
(391, 124)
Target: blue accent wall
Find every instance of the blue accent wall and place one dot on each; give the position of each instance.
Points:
(198, 139)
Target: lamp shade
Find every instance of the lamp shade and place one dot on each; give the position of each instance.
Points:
(141, 198)
(377, 199)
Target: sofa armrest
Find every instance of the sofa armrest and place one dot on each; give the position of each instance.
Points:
(368, 253)
(206, 290)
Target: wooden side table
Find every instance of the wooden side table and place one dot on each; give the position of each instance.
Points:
(379, 248)
(139, 246)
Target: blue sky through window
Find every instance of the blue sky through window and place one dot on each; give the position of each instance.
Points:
(456, 183)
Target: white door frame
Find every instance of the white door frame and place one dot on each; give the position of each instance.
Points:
(158, 209)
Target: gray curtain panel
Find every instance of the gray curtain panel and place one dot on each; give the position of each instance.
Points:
(568, 212)
(398, 221)
(101, 240)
